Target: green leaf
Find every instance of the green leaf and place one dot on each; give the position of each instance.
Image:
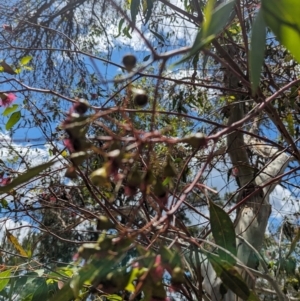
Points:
(294, 243)
(229, 276)
(41, 290)
(223, 232)
(120, 27)
(210, 28)
(28, 175)
(133, 275)
(257, 51)
(114, 297)
(290, 123)
(13, 119)
(148, 10)
(146, 58)
(134, 9)
(282, 16)
(4, 279)
(10, 109)
(25, 60)
(207, 14)
(160, 37)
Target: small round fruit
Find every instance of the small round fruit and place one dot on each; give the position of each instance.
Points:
(81, 106)
(129, 61)
(140, 98)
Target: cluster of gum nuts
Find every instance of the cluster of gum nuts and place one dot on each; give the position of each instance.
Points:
(140, 97)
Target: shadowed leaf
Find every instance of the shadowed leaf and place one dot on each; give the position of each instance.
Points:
(223, 232)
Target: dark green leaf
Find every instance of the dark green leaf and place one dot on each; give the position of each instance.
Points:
(148, 10)
(13, 119)
(4, 279)
(160, 37)
(28, 175)
(282, 16)
(134, 9)
(146, 58)
(229, 276)
(223, 232)
(120, 28)
(41, 290)
(257, 51)
(9, 110)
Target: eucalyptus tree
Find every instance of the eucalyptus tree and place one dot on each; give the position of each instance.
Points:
(208, 91)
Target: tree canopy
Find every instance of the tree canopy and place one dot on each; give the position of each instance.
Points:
(149, 150)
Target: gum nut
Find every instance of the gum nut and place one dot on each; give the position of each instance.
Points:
(140, 98)
(129, 61)
(81, 106)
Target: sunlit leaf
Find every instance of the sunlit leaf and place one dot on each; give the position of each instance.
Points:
(10, 109)
(223, 232)
(4, 279)
(16, 244)
(114, 297)
(290, 123)
(282, 16)
(26, 176)
(257, 51)
(133, 275)
(25, 60)
(213, 26)
(13, 119)
(64, 153)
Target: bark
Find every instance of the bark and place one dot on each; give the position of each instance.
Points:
(252, 217)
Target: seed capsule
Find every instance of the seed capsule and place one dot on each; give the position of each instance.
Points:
(129, 61)
(140, 98)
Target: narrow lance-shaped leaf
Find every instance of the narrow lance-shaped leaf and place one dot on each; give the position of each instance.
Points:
(223, 232)
(148, 10)
(282, 16)
(13, 119)
(160, 37)
(213, 26)
(28, 175)
(257, 51)
(16, 244)
(134, 9)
